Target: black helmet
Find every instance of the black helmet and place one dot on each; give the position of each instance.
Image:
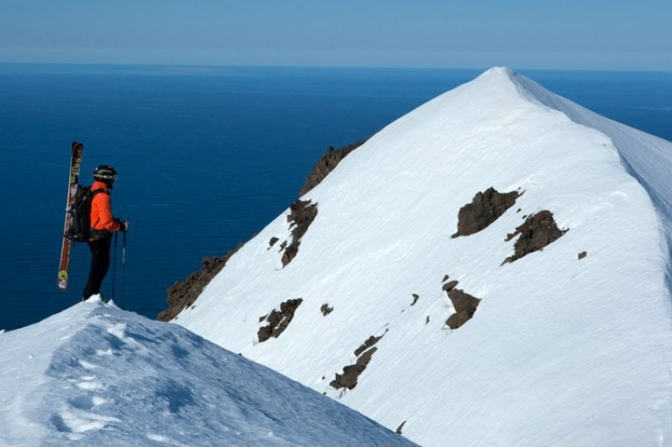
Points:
(105, 173)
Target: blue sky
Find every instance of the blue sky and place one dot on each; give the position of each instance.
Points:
(553, 34)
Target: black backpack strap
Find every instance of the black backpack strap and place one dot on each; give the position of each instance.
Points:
(97, 191)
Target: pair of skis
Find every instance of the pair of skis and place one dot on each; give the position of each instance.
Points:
(76, 152)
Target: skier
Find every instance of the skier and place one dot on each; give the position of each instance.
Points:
(103, 224)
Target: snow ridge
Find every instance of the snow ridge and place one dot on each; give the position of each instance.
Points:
(645, 157)
(98, 376)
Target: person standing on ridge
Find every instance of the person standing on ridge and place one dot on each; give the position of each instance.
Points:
(103, 224)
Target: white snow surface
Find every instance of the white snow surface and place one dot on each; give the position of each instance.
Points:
(560, 352)
(94, 375)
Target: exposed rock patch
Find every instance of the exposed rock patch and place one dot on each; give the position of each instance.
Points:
(325, 309)
(278, 320)
(538, 231)
(485, 208)
(351, 373)
(302, 214)
(415, 299)
(326, 164)
(583, 254)
(367, 344)
(465, 305)
(447, 287)
(400, 428)
(183, 294)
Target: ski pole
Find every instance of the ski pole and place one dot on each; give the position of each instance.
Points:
(123, 272)
(114, 266)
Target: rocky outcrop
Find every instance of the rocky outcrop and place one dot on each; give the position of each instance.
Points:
(447, 287)
(326, 164)
(302, 213)
(326, 309)
(464, 304)
(538, 231)
(278, 320)
(351, 373)
(183, 294)
(485, 208)
(367, 344)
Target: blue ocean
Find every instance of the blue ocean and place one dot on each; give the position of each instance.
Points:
(206, 156)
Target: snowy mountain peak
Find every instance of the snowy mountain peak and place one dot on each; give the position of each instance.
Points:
(493, 265)
(504, 77)
(503, 82)
(94, 375)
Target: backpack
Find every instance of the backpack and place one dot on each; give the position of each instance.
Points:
(79, 224)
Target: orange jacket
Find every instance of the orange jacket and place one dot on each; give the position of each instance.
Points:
(101, 209)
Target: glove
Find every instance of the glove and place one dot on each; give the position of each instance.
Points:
(123, 225)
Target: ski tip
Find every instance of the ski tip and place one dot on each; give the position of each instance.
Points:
(76, 145)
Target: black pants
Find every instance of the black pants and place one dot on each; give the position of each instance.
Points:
(100, 263)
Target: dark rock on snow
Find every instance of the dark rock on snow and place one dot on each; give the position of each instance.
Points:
(465, 306)
(278, 320)
(302, 213)
(325, 309)
(447, 287)
(351, 373)
(326, 164)
(484, 209)
(538, 231)
(367, 344)
(183, 294)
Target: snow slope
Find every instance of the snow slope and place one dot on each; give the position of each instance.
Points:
(95, 375)
(560, 351)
